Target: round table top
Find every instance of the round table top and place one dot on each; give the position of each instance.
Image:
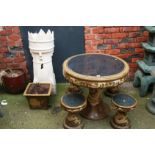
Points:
(95, 67)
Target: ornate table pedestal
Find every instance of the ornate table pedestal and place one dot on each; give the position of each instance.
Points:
(95, 109)
(95, 72)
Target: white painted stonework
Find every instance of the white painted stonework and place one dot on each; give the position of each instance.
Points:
(42, 48)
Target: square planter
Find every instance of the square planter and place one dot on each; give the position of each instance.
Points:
(38, 95)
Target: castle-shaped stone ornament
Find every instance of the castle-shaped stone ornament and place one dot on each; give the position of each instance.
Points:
(41, 46)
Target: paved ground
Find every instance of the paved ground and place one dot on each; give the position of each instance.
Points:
(17, 114)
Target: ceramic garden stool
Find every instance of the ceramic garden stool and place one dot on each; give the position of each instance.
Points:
(123, 103)
(73, 104)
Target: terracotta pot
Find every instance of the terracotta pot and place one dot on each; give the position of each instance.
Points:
(15, 84)
(36, 99)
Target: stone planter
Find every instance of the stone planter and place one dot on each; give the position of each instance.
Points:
(38, 95)
(14, 80)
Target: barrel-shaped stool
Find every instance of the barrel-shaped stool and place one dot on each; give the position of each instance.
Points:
(123, 103)
(73, 104)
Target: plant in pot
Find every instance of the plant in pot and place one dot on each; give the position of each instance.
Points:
(13, 80)
(38, 95)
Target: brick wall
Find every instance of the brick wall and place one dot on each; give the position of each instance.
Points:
(11, 49)
(122, 41)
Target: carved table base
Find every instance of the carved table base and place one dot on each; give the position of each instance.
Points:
(95, 109)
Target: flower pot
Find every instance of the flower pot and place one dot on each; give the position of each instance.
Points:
(14, 81)
(38, 95)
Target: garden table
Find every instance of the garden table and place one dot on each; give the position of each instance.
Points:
(95, 71)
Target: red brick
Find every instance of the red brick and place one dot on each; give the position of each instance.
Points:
(23, 65)
(15, 29)
(139, 50)
(90, 51)
(141, 39)
(19, 59)
(134, 45)
(94, 30)
(9, 27)
(141, 55)
(3, 38)
(11, 43)
(124, 56)
(102, 51)
(133, 70)
(3, 33)
(123, 45)
(119, 35)
(89, 36)
(134, 34)
(114, 51)
(133, 65)
(87, 27)
(135, 59)
(129, 45)
(8, 60)
(130, 28)
(97, 30)
(3, 50)
(14, 37)
(88, 42)
(18, 43)
(3, 44)
(146, 33)
(131, 75)
(97, 42)
(87, 31)
(2, 65)
(13, 65)
(1, 55)
(111, 41)
(90, 48)
(8, 32)
(111, 30)
(103, 36)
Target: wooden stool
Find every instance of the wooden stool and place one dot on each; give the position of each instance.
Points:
(123, 103)
(73, 104)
